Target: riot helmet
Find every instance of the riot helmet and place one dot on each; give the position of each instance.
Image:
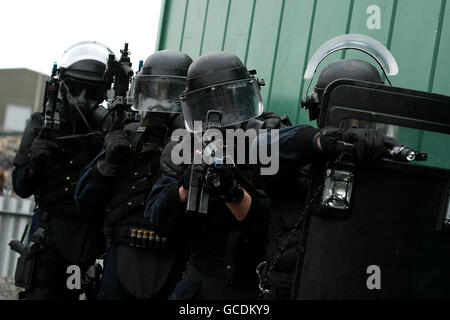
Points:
(219, 82)
(159, 83)
(81, 72)
(347, 69)
(343, 69)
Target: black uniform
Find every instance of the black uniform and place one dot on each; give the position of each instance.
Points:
(73, 236)
(53, 151)
(223, 252)
(135, 252)
(288, 189)
(288, 192)
(140, 262)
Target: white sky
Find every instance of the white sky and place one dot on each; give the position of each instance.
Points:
(35, 33)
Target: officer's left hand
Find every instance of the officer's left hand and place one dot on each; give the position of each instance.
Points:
(197, 171)
(117, 154)
(41, 151)
(117, 148)
(230, 189)
(369, 143)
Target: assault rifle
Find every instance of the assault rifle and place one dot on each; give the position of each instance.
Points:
(119, 73)
(51, 116)
(198, 196)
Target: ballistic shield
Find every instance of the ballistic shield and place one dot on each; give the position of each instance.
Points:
(378, 231)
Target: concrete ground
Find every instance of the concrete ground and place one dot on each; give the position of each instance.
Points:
(8, 291)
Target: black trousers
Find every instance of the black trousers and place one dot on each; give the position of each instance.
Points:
(49, 279)
(198, 285)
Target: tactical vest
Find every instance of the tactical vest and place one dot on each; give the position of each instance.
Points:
(77, 234)
(125, 222)
(223, 248)
(147, 263)
(62, 174)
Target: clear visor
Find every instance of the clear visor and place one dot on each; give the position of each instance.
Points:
(86, 50)
(237, 101)
(359, 42)
(158, 93)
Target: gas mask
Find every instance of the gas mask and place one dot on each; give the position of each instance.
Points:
(81, 96)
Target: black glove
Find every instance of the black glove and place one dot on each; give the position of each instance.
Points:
(220, 182)
(41, 151)
(117, 154)
(230, 188)
(117, 148)
(390, 142)
(223, 183)
(199, 173)
(369, 143)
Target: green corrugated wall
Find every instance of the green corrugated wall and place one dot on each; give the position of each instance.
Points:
(277, 38)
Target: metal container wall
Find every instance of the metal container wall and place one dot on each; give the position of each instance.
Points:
(277, 38)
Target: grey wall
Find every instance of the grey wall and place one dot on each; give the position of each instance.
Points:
(22, 88)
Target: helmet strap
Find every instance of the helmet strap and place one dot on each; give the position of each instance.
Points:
(74, 102)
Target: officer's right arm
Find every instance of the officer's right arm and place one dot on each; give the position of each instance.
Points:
(93, 188)
(164, 208)
(166, 202)
(24, 183)
(294, 147)
(97, 178)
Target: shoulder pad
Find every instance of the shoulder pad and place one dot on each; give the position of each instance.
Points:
(31, 131)
(37, 116)
(35, 124)
(273, 120)
(285, 122)
(255, 123)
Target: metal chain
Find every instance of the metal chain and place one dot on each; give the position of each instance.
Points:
(280, 250)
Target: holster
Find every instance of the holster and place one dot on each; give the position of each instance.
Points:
(28, 255)
(26, 262)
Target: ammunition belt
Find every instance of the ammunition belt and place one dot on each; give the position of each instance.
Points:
(138, 237)
(145, 238)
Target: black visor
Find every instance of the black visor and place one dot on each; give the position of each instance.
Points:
(158, 93)
(93, 90)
